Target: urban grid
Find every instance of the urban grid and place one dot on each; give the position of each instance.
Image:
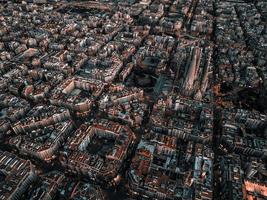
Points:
(133, 100)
